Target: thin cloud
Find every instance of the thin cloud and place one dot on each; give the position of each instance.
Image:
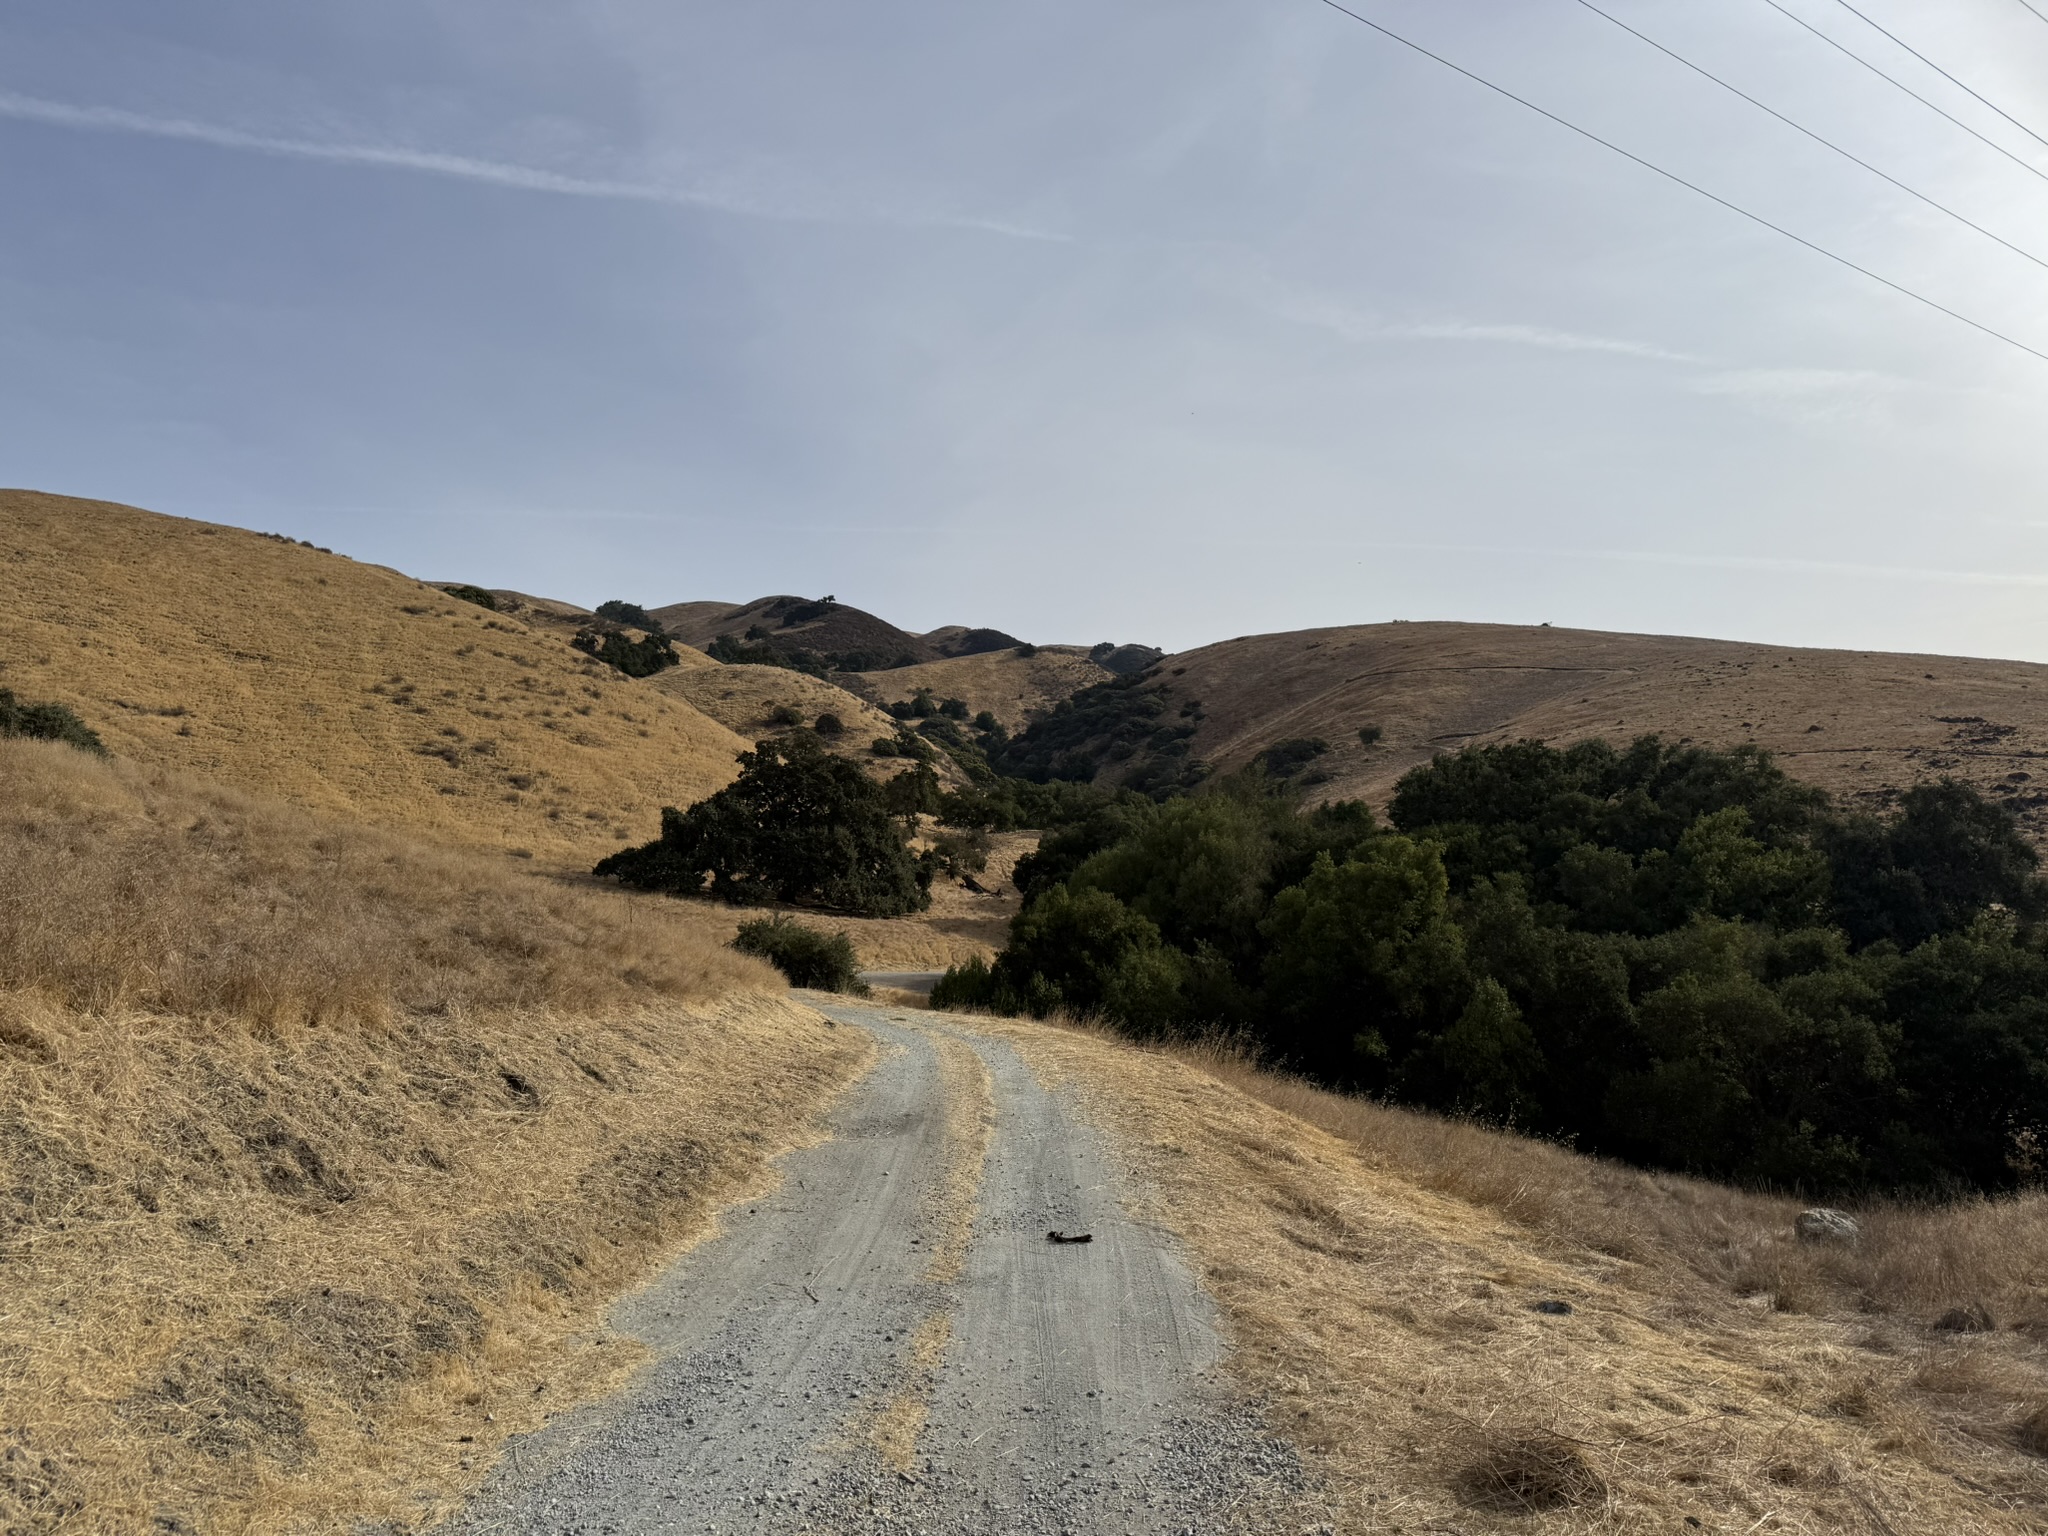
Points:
(523, 178)
(1533, 336)
(1353, 325)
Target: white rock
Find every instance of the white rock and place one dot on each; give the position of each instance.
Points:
(1824, 1224)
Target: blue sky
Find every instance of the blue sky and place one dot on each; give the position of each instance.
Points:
(1157, 322)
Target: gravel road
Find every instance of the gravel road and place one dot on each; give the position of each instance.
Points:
(889, 1343)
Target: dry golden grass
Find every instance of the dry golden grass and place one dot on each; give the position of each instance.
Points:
(1378, 1271)
(961, 924)
(1015, 689)
(744, 698)
(319, 1162)
(343, 687)
(1861, 724)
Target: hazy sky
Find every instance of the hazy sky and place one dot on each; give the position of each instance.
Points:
(1137, 321)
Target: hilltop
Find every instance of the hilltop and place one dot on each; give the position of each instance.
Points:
(346, 688)
(823, 631)
(1864, 725)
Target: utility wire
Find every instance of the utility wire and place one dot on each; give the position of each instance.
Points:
(1754, 218)
(1951, 79)
(1824, 143)
(2029, 4)
(2023, 164)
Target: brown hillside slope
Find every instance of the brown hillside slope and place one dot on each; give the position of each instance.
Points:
(744, 698)
(1015, 689)
(344, 687)
(1862, 724)
(324, 1150)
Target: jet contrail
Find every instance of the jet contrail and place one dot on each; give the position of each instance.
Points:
(524, 178)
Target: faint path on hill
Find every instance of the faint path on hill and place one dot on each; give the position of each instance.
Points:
(889, 1343)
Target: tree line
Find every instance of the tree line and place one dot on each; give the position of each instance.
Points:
(1672, 955)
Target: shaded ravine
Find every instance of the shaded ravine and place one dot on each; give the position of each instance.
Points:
(888, 1342)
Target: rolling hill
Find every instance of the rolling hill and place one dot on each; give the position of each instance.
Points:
(1015, 688)
(825, 628)
(343, 687)
(1861, 724)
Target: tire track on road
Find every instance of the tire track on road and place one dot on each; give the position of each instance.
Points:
(887, 1342)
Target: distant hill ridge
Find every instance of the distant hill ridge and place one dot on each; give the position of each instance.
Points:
(839, 633)
(1862, 724)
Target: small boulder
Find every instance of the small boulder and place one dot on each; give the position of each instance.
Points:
(1826, 1225)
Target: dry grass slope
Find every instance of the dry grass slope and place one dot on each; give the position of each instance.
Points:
(1379, 1271)
(1015, 689)
(343, 687)
(321, 1150)
(744, 699)
(1862, 724)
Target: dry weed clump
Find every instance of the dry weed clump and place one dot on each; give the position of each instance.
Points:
(1438, 1313)
(321, 1153)
(1525, 1472)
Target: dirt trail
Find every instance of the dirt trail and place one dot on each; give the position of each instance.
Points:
(889, 1342)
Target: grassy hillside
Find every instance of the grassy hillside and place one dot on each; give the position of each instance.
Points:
(1014, 688)
(323, 1150)
(1699, 1367)
(1862, 724)
(343, 687)
(745, 699)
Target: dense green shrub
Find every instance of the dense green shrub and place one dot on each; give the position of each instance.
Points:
(747, 653)
(762, 648)
(630, 614)
(785, 714)
(644, 657)
(1371, 735)
(1672, 955)
(913, 792)
(962, 852)
(824, 962)
(829, 724)
(47, 722)
(1286, 758)
(1114, 730)
(967, 985)
(477, 595)
(1004, 805)
(798, 825)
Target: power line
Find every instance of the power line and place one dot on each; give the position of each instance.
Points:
(1754, 218)
(1802, 128)
(2029, 4)
(2023, 164)
(1951, 79)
